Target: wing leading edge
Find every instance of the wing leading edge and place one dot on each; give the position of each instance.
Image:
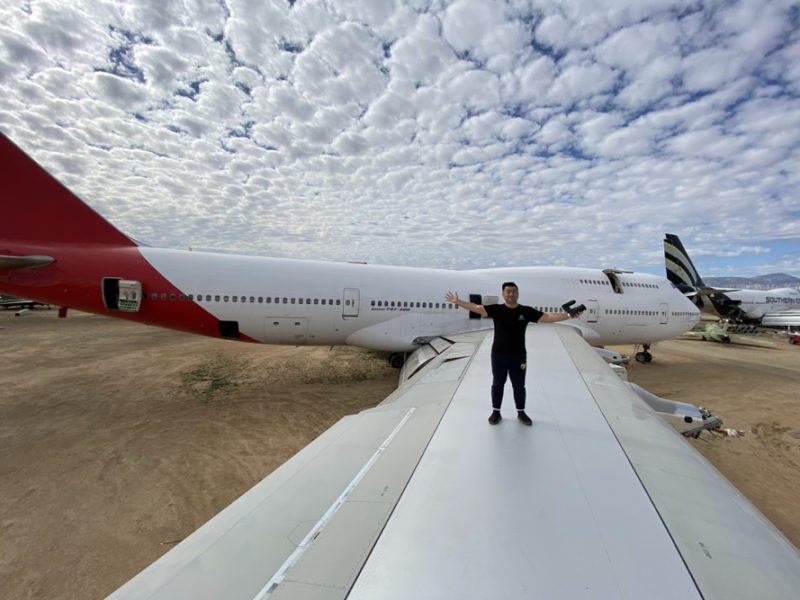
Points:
(421, 498)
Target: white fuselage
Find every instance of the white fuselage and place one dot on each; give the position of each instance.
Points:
(757, 303)
(285, 301)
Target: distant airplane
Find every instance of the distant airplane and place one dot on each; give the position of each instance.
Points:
(9, 302)
(419, 497)
(739, 305)
(720, 333)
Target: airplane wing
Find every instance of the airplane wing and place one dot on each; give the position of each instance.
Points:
(420, 497)
(746, 339)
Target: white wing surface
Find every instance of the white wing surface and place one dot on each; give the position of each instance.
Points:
(421, 498)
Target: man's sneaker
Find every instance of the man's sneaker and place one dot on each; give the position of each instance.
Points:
(495, 417)
(524, 418)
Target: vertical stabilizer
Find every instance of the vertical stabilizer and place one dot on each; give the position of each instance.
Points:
(36, 208)
(680, 269)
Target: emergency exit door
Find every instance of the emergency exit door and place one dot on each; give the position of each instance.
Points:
(350, 302)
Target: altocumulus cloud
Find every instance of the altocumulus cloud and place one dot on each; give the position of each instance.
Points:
(457, 134)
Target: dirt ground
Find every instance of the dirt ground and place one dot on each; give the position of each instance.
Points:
(117, 440)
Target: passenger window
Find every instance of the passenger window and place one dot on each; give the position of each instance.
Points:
(235, 298)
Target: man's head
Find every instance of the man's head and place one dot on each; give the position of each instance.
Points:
(510, 293)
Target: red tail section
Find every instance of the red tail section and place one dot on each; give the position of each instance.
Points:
(36, 208)
(55, 249)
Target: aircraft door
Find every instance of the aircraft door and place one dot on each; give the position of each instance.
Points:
(122, 294)
(664, 313)
(351, 302)
(592, 311)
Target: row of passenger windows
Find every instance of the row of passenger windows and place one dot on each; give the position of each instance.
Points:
(404, 304)
(625, 311)
(287, 300)
(245, 299)
(624, 283)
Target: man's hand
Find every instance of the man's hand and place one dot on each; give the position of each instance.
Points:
(573, 312)
(576, 312)
(470, 306)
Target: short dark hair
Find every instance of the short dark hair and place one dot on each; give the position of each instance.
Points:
(509, 284)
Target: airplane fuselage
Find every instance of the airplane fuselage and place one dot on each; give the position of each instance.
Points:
(754, 304)
(286, 301)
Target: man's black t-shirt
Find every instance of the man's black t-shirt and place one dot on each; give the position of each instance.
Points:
(509, 326)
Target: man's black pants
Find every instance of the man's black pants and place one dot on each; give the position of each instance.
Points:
(505, 366)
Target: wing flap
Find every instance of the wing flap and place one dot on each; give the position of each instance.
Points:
(730, 548)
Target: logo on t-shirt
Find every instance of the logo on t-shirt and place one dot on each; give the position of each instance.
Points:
(521, 318)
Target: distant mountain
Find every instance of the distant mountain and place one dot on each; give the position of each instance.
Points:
(762, 282)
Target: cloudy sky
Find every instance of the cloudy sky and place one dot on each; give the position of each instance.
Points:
(456, 134)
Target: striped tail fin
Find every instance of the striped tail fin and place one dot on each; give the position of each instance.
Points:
(680, 269)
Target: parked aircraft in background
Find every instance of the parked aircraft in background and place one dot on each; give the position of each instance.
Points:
(720, 333)
(419, 497)
(55, 249)
(739, 305)
(10, 302)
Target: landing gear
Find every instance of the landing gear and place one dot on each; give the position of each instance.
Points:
(397, 359)
(644, 356)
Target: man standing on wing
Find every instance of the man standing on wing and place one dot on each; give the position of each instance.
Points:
(509, 357)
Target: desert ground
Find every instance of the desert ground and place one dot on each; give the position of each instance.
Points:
(117, 440)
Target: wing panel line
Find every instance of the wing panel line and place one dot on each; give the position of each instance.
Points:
(335, 506)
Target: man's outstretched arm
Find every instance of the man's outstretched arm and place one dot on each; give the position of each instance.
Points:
(556, 317)
(470, 306)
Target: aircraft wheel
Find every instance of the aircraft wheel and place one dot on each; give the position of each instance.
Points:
(396, 360)
(648, 357)
(641, 357)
